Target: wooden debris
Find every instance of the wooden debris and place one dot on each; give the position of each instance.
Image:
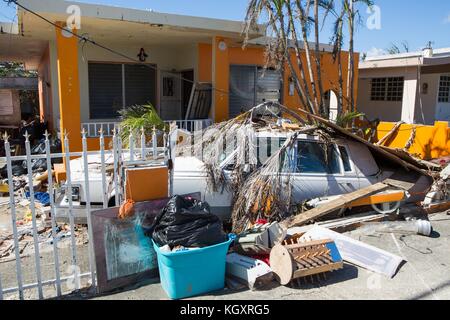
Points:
(294, 261)
(341, 202)
(390, 134)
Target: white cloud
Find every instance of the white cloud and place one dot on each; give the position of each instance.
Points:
(447, 19)
(374, 52)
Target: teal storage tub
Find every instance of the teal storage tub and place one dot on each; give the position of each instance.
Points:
(190, 273)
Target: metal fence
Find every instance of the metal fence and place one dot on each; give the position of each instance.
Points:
(93, 128)
(141, 149)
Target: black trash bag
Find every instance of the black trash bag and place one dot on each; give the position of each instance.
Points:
(189, 223)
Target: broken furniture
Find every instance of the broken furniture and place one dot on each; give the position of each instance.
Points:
(145, 184)
(302, 259)
(251, 272)
(199, 102)
(357, 252)
(123, 263)
(260, 239)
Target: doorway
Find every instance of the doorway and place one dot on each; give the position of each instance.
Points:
(443, 99)
(187, 84)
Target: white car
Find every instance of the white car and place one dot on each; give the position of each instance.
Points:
(348, 166)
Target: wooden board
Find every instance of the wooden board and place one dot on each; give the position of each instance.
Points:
(145, 184)
(341, 202)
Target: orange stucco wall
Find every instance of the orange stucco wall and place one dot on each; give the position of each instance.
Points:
(215, 62)
(69, 89)
(431, 142)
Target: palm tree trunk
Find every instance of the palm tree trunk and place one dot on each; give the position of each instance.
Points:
(325, 112)
(303, 15)
(284, 36)
(351, 62)
(297, 50)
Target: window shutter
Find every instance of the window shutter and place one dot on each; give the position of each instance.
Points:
(105, 90)
(140, 85)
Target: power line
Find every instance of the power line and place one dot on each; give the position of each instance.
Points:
(85, 39)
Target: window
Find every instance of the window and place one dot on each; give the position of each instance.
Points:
(378, 89)
(316, 157)
(395, 89)
(387, 89)
(345, 159)
(444, 89)
(113, 87)
(267, 147)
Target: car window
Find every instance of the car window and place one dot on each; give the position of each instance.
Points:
(345, 159)
(314, 157)
(267, 147)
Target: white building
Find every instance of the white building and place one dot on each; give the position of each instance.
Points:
(413, 87)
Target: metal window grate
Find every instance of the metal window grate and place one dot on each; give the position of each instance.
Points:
(444, 89)
(395, 89)
(387, 89)
(378, 92)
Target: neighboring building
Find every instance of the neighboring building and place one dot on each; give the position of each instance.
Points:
(11, 106)
(413, 87)
(82, 85)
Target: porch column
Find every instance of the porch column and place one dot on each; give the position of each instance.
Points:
(69, 88)
(220, 79)
(409, 97)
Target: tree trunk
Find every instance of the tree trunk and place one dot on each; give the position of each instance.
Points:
(351, 62)
(303, 15)
(324, 111)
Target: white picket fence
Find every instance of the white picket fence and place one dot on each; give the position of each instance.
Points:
(139, 151)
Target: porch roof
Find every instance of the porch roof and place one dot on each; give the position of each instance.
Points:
(109, 23)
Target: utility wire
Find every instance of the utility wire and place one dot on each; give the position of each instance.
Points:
(83, 38)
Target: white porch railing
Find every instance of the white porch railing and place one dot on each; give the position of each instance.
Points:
(140, 150)
(93, 128)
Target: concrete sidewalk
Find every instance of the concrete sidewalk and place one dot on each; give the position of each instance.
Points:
(426, 275)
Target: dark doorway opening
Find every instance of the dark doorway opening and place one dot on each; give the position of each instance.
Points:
(187, 84)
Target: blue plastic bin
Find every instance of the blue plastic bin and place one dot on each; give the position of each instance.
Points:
(189, 273)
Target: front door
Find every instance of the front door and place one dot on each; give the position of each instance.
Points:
(170, 108)
(443, 99)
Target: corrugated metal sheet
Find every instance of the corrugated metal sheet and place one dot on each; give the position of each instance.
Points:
(268, 86)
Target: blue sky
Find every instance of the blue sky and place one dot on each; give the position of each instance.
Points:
(413, 21)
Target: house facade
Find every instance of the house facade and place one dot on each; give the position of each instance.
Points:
(143, 56)
(410, 87)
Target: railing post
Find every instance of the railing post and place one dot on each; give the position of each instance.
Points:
(88, 209)
(155, 144)
(37, 256)
(71, 217)
(102, 158)
(13, 216)
(52, 212)
(131, 145)
(143, 153)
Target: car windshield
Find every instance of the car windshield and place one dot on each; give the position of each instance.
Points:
(315, 157)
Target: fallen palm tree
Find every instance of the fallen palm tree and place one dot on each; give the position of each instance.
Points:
(263, 189)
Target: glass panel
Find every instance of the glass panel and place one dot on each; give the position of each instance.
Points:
(316, 157)
(345, 159)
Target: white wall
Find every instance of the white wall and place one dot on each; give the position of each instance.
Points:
(419, 107)
(426, 102)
